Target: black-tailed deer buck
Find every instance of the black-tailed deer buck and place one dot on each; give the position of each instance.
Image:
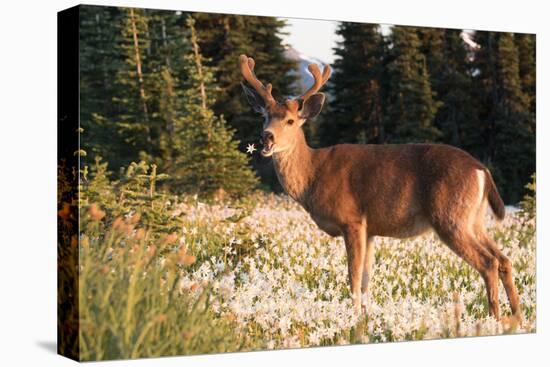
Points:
(362, 191)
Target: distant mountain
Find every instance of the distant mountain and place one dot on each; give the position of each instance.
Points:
(304, 79)
(467, 37)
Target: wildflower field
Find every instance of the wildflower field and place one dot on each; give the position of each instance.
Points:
(168, 275)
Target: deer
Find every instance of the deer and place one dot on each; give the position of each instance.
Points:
(361, 191)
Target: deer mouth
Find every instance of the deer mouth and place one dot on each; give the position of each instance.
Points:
(268, 148)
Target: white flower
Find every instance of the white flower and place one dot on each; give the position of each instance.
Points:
(297, 281)
(250, 148)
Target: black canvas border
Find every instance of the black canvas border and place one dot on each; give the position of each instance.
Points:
(68, 122)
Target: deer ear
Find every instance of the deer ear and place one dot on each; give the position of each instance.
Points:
(312, 106)
(254, 99)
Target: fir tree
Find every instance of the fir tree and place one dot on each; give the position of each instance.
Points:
(450, 78)
(207, 158)
(99, 64)
(507, 133)
(133, 79)
(486, 95)
(515, 138)
(222, 39)
(170, 109)
(168, 41)
(355, 113)
(526, 45)
(411, 107)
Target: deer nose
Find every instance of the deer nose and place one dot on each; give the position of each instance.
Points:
(267, 137)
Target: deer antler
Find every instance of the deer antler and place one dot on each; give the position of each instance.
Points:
(319, 80)
(247, 69)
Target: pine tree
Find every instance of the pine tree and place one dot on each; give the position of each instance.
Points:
(168, 42)
(506, 126)
(170, 109)
(207, 158)
(450, 78)
(133, 79)
(222, 39)
(411, 106)
(131, 75)
(99, 63)
(515, 138)
(355, 113)
(526, 45)
(485, 94)
(432, 45)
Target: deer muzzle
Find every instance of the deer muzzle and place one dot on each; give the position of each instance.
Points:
(268, 141)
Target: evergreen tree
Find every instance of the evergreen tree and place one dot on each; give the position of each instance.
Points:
(486, 95)
(133, 121)
(169, 41)
(170, 109)
(207, 159)
(432, 45)
(99, 64)
(151, 43)
(355, 113)
(131, 72)
(515, 138)
(526, 45)
(506, 121)
(450, 78)
(411, 107)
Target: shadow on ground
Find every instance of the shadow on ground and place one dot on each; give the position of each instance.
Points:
(48, 345)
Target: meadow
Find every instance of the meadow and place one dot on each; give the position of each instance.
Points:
(168, 275)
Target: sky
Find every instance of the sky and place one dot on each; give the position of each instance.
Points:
(315, 38)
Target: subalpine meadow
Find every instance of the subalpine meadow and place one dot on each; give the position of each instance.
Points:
(165, 274)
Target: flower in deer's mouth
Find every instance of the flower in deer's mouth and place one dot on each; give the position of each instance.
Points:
(250, 148)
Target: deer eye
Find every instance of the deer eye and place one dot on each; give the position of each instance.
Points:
(290, 122)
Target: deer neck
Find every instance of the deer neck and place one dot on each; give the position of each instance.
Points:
(295, 168)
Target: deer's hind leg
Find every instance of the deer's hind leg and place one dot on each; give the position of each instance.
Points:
(505, 272)
(467, 246)
(457, 218)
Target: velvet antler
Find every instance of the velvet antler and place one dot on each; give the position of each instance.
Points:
(247, 69)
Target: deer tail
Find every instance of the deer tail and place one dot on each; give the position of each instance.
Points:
(497, 205)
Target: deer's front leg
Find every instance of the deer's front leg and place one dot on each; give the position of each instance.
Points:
(356, 243)
(367, 267)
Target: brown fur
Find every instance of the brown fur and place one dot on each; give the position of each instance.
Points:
(362, 191)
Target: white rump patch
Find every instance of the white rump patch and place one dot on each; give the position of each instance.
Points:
(477, 208)
(481, 186)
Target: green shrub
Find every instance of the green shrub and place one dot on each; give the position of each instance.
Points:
(528, 205)
(131, 303)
